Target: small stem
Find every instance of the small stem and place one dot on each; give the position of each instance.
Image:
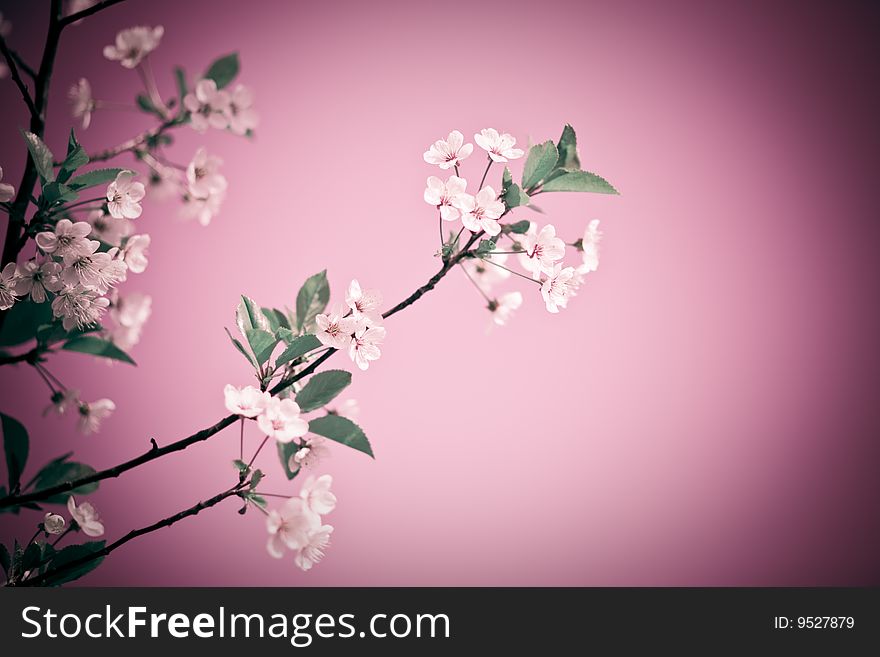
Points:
(476, 285)
(528, 278)
(505, 252)
(45, 378)
(286, 497)
(440, 226)
(241, 442)
(78, 203)
(52, 376)
(261, 509)
(456, 170)
(259, 449)
(34, 537)
(485, 173)
(73, 18)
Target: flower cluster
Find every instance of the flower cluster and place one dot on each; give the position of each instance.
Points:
(298, 525)
(539, 252)
(356, 328)
(211, 107)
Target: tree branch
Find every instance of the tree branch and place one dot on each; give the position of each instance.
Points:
(22, 87)
(73, 18)
(165, 522)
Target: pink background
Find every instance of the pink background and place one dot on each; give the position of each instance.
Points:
(704, 413)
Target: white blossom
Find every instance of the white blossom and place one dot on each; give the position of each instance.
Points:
(133, 44)
(480, 212)
(62, 401)
(313, 550)
(363, 303)
(86, 516)
(8, 283)
(91, 415)
(36, 279)
(443, 195)
(499, 146)
(134, 253)
(82, 102)
(240, 112)
(559, 287)
(290, 526)
(364, 346)
(541, 251)
(313, 450)
(281, 420)
(78, 307)
(208, 106)
(504, 306)
(448, 153)
(485, 274)
(202, 208)
(124, 196)
(53, 523)
(246, 402)
(129, 314)
(334, 330)
(590, 246)
(67, 237)
(317, 495)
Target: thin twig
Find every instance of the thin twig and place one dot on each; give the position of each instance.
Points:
(476, 285)
(22, 87)
(78, 16)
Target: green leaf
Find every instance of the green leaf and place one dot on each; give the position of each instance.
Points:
(276, 320)
(511, 193)
(60, 471)
(89, 344)
(22, 322)
(41, 155)
(248, 315)
(567, 147)
(147, 105)
(311, 300)
(579, 181)
(322, 388)
(240, 347)
(5, 559)
(259, 500)
(31, 556)
(223, 70)
(342, 430)
(262, 343)
(182, 88)
(285, 452)
(54, 192)
(15, 446)
(485, 248)
(76, 157)
(297, 347)
(94, 178)
(541, 161)
(256, 478)
(240, 465)
(520, 227)
(70, 554)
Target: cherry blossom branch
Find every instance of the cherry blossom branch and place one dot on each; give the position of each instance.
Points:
(134, 142)
(204, 434)
(22, 64)
(135, 533)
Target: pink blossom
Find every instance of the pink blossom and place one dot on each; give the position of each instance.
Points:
(316, 494)
(203, 174)
(242, 116)
(90, 417)
(86, 516)
(504, 307)
(364, 346)
(247, 401)
(443, 194)
(108, 229)
(289, 527)
(68, 237)
(82, 102)
(590, 246)
(559, 287)
(134, 253)
(133, 44)
(208, 106)
(124, 196)
(78, 307)
(480, 212)
(8, 282)
(499, 146)
(541, 251)
(281, 420)
(7, 191)
(450, 152)
(363, 303)
(36, 279)
(485, 274)
(313, 550)
(334, 329)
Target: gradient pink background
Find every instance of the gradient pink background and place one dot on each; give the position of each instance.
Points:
(705, 413)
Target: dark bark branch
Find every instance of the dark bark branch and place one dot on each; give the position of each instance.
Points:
(73, 18)
(13, 70)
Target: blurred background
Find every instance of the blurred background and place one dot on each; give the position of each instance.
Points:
(704, 413)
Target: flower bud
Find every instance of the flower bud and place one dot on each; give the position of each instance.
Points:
(53, 523)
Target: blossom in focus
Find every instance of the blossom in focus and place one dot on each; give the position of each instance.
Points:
(36, 279)
(62, 401)
(485, 274)
(442, 195)
(558, 287)
(541, 251)
(480, 212)
(86, 517)
(133, 44)
(364, 345)
(134, 253)
(313, 550)
(590, 246)
(334, 329)
(95, 271)
(108, 229)
(129, 314)
(247, 402)
(208, 106)
(499, 146)
(8, 281)
(242, 116)
(82, 102)
(92, 414)
(53, 523)
(504, 306)
(363, 303)
(450, 152)
(281, 420)
(317, 495)
(68, 237)
(290, 526)
(78, 307)
(7, 191)
(203, 174)
(124, 196)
